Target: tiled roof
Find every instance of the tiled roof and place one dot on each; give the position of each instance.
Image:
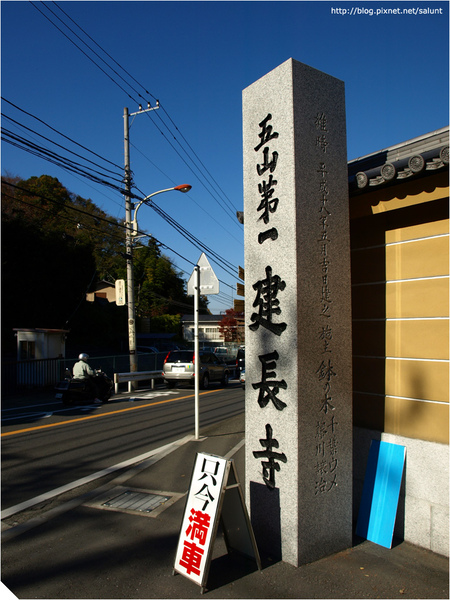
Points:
(414, 158)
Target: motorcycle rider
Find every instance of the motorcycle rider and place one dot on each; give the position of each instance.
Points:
(82, 370)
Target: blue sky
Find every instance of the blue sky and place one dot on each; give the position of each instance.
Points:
(196, 58)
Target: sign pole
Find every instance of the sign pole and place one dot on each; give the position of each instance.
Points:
(196, 346)
(204, 280)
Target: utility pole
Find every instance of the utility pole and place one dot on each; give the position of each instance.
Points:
(129, 240)
(129, 247)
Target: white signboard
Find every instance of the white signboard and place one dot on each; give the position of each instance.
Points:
(120, 292)
(200, 516)
(214, 493)
(209, 284)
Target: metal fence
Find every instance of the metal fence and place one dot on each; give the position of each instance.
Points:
(35, 374)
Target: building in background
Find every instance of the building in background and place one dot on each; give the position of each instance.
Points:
(208, 329)
(103, 290)
(39, 354)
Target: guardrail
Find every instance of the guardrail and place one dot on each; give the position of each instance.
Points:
(137, 376)
(45, 373)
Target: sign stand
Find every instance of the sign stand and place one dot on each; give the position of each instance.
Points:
(214, 495)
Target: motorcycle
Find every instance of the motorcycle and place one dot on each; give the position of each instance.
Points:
(73, 392)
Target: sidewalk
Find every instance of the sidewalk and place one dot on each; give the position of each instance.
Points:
(87, 550)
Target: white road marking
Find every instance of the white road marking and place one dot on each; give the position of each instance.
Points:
(70, 486)
(86, 407)
(38, 415)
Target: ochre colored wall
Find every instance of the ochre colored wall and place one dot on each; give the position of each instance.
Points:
(400, 301)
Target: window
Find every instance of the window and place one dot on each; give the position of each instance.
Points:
(27, 350)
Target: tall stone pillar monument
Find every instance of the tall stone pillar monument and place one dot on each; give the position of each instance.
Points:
(298, 314)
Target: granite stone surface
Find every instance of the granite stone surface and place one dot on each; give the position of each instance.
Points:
(298, 313)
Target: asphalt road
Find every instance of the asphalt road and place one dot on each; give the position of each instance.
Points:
(48, 449)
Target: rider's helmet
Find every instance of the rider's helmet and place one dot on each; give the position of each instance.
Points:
(83, 356)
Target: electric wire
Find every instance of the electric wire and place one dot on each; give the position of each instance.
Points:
(135, 91)
(63, 148)
(185, 232)
(75, 167)
(190, 195)
(233, 219)
(233, 208)
(58, 160)
(96, 190)
(152, 293)
(61, 216)
(98, 218)
(82, 51)
(221, 300)
(219, 260)
(103, 50)
(225, 264)
(59, 133)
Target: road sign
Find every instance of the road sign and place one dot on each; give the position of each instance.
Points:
(120, 292)
(209, 284)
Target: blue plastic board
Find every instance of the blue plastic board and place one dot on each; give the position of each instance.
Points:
(379, 502)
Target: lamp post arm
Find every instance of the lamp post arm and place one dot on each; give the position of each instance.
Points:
(180, 188)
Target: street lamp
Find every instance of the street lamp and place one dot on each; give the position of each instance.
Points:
(179, 188)
(132, 230)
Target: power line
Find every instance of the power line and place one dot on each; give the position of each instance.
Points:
(192, 199)
(66, 218)
(96, 217)
(36, 152)
(72, 166)
(56, 159)
(82, 51)
(226, 265)
(93, 175)
(59, 133)
(233, 208)
(103, 50)
(211, 193)
(188, 154)
(63, 148)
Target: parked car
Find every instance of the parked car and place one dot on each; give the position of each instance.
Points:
(242, 379)
(221, 351)
(179, 367)
(240, 359)
(146, 349)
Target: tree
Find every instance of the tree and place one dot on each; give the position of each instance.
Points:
(228, 326)
(45, 273)
(160, 287)
(57, 244)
